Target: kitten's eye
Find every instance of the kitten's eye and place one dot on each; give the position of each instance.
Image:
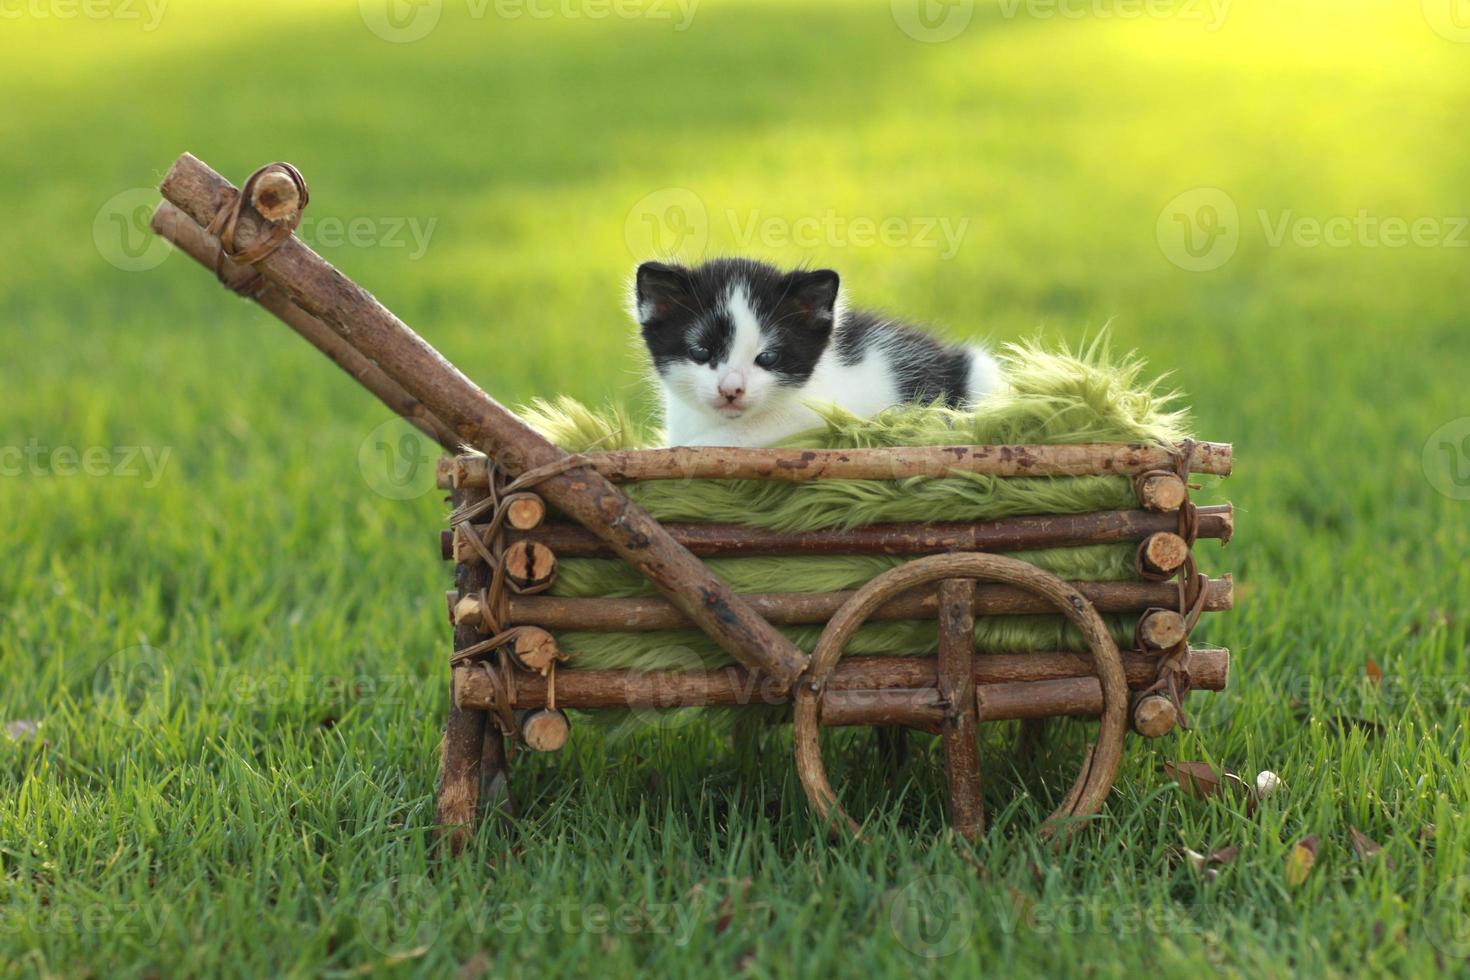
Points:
(766, 358)
(698, 354)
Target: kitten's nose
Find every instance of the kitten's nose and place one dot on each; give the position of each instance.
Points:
(732, 386)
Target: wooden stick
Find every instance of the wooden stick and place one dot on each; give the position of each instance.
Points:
(276, 196)
(957, 694)
(483, 423)
(467, 733)
(545, 730)
(1006, 534)
(1162, 554)
(530, 565)
(1209, 670)
(895, 463)
(1155, 715)
(617, 615)
(1163, 492)
(1161, 629)
(525, 511)
(177, 227)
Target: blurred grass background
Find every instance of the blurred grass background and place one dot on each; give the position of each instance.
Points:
(267, 805)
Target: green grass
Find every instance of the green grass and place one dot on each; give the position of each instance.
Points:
(237, 664)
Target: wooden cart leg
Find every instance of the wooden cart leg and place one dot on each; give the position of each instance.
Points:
(467, 749)
(957, 689)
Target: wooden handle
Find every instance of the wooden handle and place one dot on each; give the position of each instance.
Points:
(480, 421)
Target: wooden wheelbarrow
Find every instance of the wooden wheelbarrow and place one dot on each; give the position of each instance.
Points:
(525, 502)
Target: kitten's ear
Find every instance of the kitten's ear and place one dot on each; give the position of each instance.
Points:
(814, 294)
(658, 290)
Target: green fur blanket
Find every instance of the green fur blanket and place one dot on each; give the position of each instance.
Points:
(1051, 396)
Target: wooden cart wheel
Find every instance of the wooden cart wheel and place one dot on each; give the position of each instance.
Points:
(1099, 767)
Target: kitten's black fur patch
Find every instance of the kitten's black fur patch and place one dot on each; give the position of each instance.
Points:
(680, 307)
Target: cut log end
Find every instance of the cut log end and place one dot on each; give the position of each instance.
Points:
(545, 730)
(470, 611)
(1162, 554)
(525, 512)
(276, 196)
(1161, 629)
(471, 471)
(530, 565)
(1161, 492)
(536, 650)
(1155, 715)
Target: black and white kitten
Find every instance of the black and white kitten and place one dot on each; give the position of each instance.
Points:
(743, 351)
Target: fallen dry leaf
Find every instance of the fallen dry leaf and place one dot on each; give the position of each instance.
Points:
(1375, 672)
(1225, 855)
(1300, 861)
(1201, 781)
(1198, 779)
(1366, 847)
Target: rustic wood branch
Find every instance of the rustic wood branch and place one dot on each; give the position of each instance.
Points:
(530, 565)
(470, 742)
(481, 422)
(525, 511)
(894, 463)
(275, 196)
(545, 730)
(1162, 554)
(616, 615)
(1161, 629)
(1155, 715)
(1163, 492)
(1006, 534)
(590, 689)
(1208, 668)
(957, 695)
(177, 227)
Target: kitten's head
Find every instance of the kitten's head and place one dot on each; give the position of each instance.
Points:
(733, 337)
